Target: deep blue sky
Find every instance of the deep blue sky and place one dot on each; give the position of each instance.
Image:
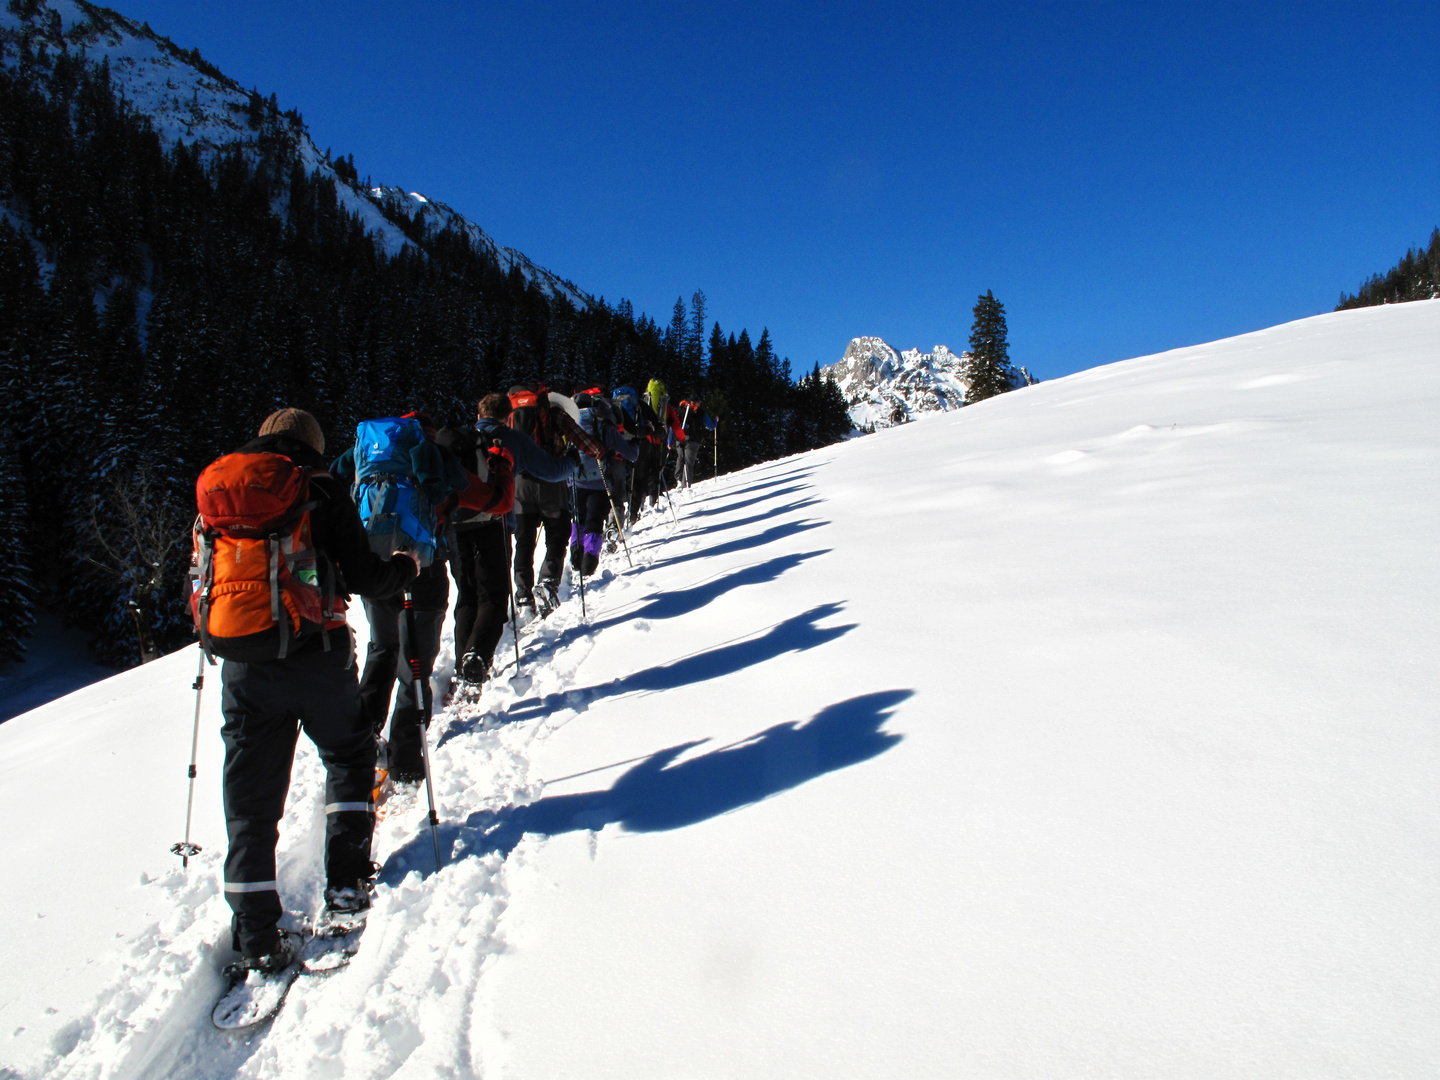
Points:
(1126, 177)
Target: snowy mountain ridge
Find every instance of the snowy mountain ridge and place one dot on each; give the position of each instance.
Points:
(884, 387)
(189, 100)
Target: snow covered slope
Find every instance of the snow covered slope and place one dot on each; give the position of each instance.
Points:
(1090, 730)
(884, 387)
(189, 100)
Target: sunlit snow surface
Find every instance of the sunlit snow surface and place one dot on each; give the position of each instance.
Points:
(1090, 730)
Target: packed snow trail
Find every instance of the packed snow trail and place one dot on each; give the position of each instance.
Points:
(1089, 730)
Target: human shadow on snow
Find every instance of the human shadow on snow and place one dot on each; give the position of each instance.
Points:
(664, 605)
(797, 634)
(661, 792)
(741, 489)
(753, 519)
(794, 489)
(780, 531)
(673, 603)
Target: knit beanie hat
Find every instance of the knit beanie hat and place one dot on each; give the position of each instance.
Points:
(298, 424)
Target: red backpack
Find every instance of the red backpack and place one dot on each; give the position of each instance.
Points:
(532, 413)
(256, 574)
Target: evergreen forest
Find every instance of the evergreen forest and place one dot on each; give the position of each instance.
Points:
(1415, 277)
(157, 302)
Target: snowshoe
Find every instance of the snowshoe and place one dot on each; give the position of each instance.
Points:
(256, 986)
(463, 693)
(547, 598)
(344, 912)
(326, 955)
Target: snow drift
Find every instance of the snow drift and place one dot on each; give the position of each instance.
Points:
(1090, 730)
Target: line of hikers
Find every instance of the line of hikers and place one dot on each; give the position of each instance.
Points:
(283, 540)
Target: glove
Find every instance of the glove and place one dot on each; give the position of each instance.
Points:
(497, 457)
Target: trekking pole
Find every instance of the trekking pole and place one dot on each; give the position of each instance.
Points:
(185, 848)
(510, 574)
(575, 520)
(666, 491)
(422, 683)
(680, 465)
(620, 528)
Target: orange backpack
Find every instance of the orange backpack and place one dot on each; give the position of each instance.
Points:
(256, 575)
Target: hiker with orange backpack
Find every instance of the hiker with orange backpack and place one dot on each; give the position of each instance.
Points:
(279, 547)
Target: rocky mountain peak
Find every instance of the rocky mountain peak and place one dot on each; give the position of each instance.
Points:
(884, 387)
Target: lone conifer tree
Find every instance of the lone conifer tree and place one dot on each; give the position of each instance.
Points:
(987, 369)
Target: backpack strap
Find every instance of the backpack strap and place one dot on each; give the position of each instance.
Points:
(277, 608)
(207, 578)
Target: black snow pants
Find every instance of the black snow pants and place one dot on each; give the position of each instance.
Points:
(265, 706)
(383, 661)
(482, 586)
(686, 456)
(645, 482)
(539, 504)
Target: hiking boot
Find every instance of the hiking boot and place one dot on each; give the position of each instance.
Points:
(524, 612)
(286, 949)
(407, 776)
(473, 670)
(547, 598)
(344, 912)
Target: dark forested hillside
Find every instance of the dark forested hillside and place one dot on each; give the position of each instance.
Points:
(1415, 277)
(157, 301)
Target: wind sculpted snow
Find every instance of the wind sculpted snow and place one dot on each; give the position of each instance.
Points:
(1089, 730)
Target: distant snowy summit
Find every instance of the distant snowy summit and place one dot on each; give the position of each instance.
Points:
(884, 387)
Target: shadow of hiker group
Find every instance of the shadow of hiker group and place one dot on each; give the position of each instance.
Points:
(667, 789)
(663, 792)
(798, 633)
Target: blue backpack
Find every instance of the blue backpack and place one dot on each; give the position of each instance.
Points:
(396, 486)
(629, 400)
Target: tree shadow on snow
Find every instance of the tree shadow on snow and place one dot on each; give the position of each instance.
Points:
(661, 792)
